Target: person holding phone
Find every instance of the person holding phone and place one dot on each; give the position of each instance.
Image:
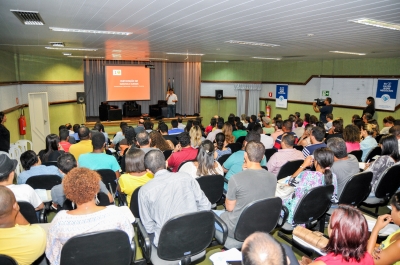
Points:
(171, 101)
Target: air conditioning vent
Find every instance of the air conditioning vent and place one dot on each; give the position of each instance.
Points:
(28, 17)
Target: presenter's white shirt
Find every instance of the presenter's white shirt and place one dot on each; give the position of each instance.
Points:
(171, 98)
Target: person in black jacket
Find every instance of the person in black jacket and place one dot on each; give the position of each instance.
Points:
(4, 134)
(370, 106)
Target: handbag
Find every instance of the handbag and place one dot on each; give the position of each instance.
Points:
(283, 191)
(314, 238)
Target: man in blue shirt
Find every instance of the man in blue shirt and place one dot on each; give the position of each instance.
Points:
(175, 129)
(328, 108)
(317, 141)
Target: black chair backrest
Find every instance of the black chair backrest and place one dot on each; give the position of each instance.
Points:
(261, 215)
(357, 154)
(313, 204)
(28, 211)
(388, 183)
(186, 235)
(269, 152)
(167, 153)
(108, 177)
(378, 137)
(100, 248)
(223, 158)
(212, 186)
(102, 197)
(134, 203)
(240, 139)
(50, 163)
(44, 181)
(374, 152)
(235, 147)
(298, 147)
(68, 205)
(289, 168)
(356, 189)
(7, 260)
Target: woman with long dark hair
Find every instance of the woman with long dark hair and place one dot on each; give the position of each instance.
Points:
(389, 156)
(303, 181)
(348, 238)
(370, 108)
(4, 134)
(220, 145)
(51, 153)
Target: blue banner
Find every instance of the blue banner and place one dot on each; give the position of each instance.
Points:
(281, 96)
(386, 92)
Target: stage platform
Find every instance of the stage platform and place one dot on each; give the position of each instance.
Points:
(112, 127)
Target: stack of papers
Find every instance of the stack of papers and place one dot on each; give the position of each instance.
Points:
(221, 258)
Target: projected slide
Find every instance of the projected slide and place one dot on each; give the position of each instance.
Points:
(127, 83)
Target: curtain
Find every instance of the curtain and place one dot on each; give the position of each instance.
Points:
(186, 85)
(253, 105)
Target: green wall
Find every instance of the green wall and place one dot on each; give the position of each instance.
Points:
(7, 67)
(296, 71)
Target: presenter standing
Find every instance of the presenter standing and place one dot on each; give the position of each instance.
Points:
(328, 108)
(4, 134)
(171, 101)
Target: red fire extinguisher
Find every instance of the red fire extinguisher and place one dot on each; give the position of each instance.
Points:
(22, 123)
(268, 111)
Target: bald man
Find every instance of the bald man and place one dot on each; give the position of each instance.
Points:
(262, 249)
(16, 234)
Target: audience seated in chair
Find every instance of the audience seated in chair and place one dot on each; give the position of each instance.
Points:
(348, 238)
(33, 167)
(283, 155)
(388, 252)
(395, 130)
(252, 184)
(389, 156)
(163, 129)
(136, 174)
(204, 164)
(234, 164)
(262, 249)
(286, 128)
(221, 146)
(303, 181)
(81, 186)
(119, 135)
(85, 144)
(158, 141)
(218, 129)
(23, 242)
(369, 142)
(98, 159)
(66, 162)
(183, 151)
(175, 129)
(144, 142)
(167, 195)
(52, 152)
(317, 141)
(64, 140)
(344, 165)
(351, 135)
(22, 192)
(266, 140)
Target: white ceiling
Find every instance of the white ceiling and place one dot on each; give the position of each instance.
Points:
(196, 26)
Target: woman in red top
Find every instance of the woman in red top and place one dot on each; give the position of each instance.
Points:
(348, 239)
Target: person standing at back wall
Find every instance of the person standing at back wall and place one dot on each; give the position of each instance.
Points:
(171, 101)
(327, 109)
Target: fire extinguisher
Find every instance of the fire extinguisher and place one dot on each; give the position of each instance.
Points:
(268, 111)
(22, 123)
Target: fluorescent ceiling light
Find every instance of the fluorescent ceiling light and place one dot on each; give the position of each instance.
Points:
(376, 23)
(252, 43)
(91, 31)
(352, 53)
(185, 53)
(71, 49)
(88, 57)
(67, 54)
(216, 61)
(57, 44)
(267, 58)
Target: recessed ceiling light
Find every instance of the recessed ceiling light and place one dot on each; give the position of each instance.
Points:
(310, 35)
(91, 31)
(185, 53)
(376, 23)
(267, 58)
(352, 53)
(252, 43)
(218, 49)
(71, 49)
(57, 44)
(88, 57)
(216, 61)
(67, 54)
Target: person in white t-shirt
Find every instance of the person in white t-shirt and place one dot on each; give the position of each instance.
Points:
(22, 192)
(171, 101)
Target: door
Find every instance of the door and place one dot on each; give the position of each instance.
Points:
(39, 119)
